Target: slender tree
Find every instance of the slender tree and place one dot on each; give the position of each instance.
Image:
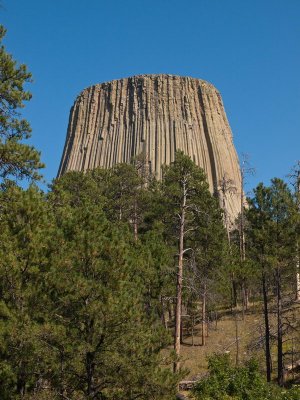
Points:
(188, 203)
(283, 235)
(246, 169)
(295, 180)
(258, 218)
(274, 242)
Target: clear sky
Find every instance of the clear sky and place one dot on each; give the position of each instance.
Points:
(250, 50)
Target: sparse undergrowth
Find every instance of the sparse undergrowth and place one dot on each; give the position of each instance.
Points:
(222, 339)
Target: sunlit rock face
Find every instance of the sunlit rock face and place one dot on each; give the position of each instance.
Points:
(154, 115)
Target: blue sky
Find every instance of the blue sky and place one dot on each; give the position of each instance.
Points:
(250, 50)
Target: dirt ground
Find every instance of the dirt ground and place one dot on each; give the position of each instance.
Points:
(221, 338)
(236, 335)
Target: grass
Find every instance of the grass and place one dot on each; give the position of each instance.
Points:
(221, 338)
(250, 332)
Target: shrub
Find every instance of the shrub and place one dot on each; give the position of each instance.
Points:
(226, 382)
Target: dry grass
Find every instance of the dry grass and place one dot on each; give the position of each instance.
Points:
(222, 338)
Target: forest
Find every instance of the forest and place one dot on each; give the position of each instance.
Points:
(101, 275)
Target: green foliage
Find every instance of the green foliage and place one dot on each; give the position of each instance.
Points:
(87, 271)
(23, 226)
(226, 382)
(202, 216)
(204, 233)
(17, 159)
(79, 298)
(97, 299)
(271, 231)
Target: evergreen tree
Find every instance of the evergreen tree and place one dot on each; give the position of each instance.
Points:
(273, 246)
(125, 196)
(17, 159)
(189, 211)
(258, 217)
(75, 289)
(24, 228)
(111, 347)
(208, 242)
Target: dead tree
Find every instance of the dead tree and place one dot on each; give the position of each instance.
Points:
(180, 275)
(225, 188)
(246, 169)
(295, 180)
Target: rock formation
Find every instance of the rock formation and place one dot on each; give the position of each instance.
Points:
(155, 115)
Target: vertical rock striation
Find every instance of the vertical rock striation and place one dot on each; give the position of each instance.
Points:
(156, 115)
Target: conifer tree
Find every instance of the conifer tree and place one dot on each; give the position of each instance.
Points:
(24, 228)
(188, 207)
(17, 159)
(258, 217)
(273, 244)
(100, 280)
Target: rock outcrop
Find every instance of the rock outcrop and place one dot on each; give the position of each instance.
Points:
(156, 115)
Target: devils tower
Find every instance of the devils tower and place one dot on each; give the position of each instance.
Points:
(155, 115)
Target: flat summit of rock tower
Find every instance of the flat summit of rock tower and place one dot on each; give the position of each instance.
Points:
(156, 115)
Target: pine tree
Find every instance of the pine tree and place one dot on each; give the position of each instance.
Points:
(17, 159)
(24, 228)
(98, 289)
(273, 242)
(189, 208)
(258, 217)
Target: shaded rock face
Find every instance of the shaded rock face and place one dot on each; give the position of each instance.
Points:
(155, 115)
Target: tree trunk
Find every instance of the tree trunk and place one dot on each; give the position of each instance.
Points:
(237, 339)
(204, 317)
(246, 298)
(170, 311)
(21, 384)
(163, 316)
(243, 246)
(177, 338)
(298, 284)
(297, 273)
(245, 295)
(242, 228)
(280, 371)
(233, 293)
(135, 222)
(193, 325)
(297, 242)
(90, 372)
(267, 327)
(243, 301)
(181, 330)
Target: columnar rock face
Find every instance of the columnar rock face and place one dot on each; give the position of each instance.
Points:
(155, 115)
